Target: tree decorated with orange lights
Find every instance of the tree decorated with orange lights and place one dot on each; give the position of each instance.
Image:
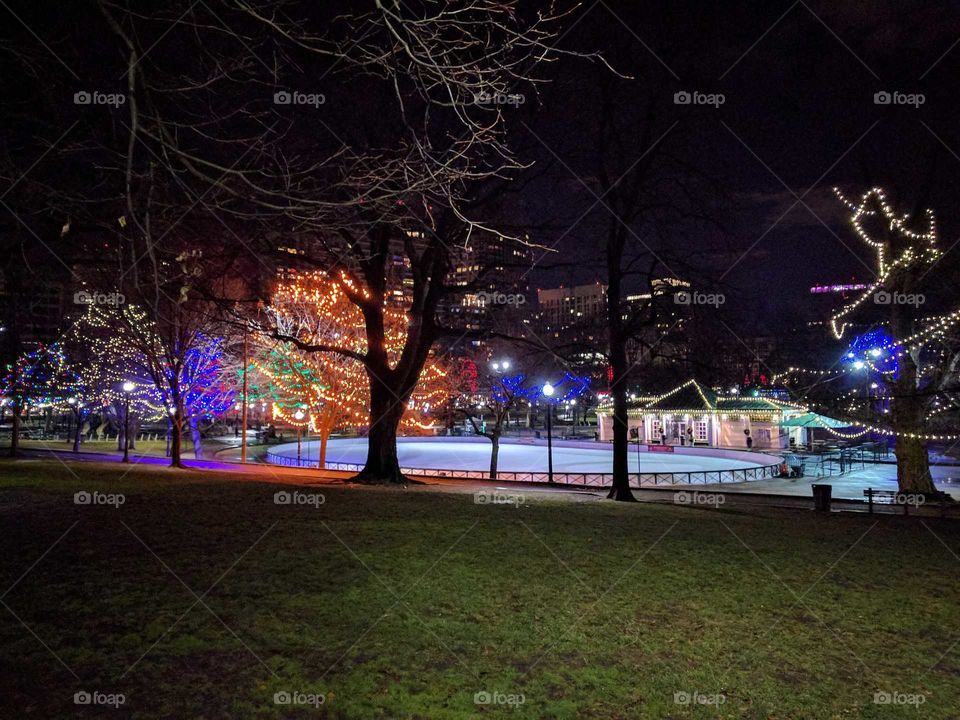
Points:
(313, 359)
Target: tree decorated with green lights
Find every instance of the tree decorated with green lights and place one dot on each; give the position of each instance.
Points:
(44, 379)
(308, 395)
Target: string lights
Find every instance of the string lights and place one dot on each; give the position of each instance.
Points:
(925, 251)
(331, 388)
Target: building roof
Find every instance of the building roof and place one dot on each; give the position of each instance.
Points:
(689, 396)
(752, 403)
(694, 397)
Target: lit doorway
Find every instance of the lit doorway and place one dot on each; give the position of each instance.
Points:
(676, 431)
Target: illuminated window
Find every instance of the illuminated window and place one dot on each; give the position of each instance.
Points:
(700, 431)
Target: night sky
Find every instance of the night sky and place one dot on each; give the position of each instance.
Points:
(798, 117)
(798, 81)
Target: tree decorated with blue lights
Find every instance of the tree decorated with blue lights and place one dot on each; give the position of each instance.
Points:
(498, 394)
(899, 378)
(182, 377)
(207, 383)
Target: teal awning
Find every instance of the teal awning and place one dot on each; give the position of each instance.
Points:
(813, 420)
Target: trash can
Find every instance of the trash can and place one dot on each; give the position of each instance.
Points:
(821, 497)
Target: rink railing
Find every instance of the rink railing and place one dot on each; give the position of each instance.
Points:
(637, 480)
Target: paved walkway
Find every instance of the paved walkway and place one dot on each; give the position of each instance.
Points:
(881, 476)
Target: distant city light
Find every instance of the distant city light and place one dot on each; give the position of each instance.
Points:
(820, 289)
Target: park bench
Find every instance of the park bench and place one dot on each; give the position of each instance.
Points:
(883, 497)
(896, 497)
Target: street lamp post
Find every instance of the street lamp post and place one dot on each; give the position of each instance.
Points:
(299, 416)
(548, 391)
(127, 389)
(500, 367)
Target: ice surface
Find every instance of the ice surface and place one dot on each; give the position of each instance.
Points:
(454, 454)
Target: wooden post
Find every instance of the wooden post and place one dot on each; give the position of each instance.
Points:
(243, 416)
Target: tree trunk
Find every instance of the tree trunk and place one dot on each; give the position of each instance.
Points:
(494, 455)
(913, 460)
(620, 488)
(382, 465)
(908, 408)
(913, 466)
(77, 433)
(176, 440)
(15, 432)
(322, 455)
(197, 439)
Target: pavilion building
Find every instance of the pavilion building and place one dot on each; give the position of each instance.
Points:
(692, 412)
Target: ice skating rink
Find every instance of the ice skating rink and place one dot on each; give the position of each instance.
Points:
(459, 454)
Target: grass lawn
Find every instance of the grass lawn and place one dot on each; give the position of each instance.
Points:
(213, 450)
(144, 447)
(201, 598)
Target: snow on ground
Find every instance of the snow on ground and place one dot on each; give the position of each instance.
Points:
(456, 454)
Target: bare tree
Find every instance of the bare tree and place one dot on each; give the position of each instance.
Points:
(909, 355)
(498, 394)
(271, 134)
